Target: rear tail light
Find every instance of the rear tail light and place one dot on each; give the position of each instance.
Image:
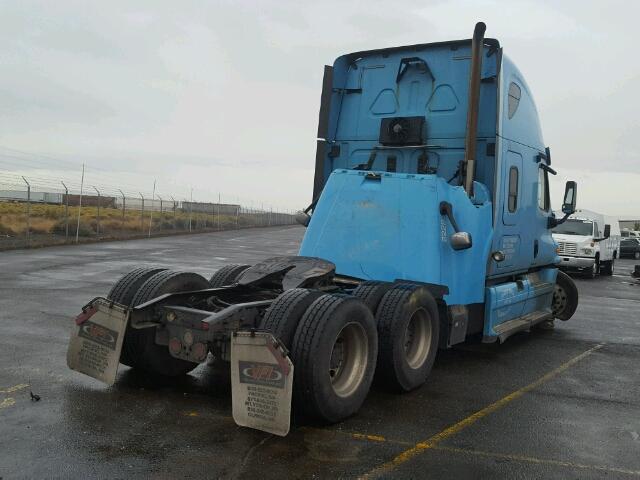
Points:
(175, 346)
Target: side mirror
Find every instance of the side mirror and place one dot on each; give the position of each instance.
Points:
(303, 218)
(569, 202)
(461, 241)
(607, 234)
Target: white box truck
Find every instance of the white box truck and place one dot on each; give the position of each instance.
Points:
(588, 242)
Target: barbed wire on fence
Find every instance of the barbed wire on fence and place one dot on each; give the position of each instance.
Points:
(36, 209)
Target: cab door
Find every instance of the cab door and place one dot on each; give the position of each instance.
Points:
(511, 208)
(513, 188)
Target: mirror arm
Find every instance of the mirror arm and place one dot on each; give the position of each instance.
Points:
(554, 222)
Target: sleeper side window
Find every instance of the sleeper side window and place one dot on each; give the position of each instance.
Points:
(513, 189)
(514, 99)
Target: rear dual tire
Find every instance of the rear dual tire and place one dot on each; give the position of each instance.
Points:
(408, 333)
(227, 275)
(334, 352)
(139, 349)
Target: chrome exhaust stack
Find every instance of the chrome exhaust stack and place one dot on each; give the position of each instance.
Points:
(473, 106)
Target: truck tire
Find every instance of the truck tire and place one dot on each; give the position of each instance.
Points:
(408, 332)
(607, 267)
(565, 297)
(595, 268)
(371, 293)
(227, 275)
(140, 344)
(284, 314)
(334, 352)
(124, 289)
(123, 292)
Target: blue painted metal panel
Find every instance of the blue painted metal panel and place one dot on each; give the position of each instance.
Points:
(531, 293)
(523, 235)
(366, 90)
(390, 228)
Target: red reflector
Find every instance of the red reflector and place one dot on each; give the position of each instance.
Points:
(175, 345)
(204, 326)
(86, 315)
(199, 351)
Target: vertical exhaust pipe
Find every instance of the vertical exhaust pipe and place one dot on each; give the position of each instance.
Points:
(473, 106)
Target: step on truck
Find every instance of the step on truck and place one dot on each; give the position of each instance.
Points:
(430, 224)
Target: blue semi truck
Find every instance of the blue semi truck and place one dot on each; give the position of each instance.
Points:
(430, 224)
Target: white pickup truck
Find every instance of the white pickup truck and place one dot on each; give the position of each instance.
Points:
(588, 242)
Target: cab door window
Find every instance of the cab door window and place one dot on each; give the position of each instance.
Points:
(543, 190)
(513, 189)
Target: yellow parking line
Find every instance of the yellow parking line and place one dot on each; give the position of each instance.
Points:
(7, 402)
(15, 388)
(470, 420)
(542, 461)
(371, 438)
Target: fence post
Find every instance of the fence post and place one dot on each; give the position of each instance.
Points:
(153, 196)
(123, 206)
(175, 226)
(142, 213)
(237, 215)
(28, 211)
(190, 209)
(66, 212)
(98, 220)
(80, 204)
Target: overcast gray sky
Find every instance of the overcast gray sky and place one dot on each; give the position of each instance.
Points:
(223, 96)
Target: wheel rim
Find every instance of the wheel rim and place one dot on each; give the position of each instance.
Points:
(637, 255)
(559, 299)
(417, 339)
(349, 358)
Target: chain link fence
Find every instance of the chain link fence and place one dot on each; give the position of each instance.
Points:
(36, 212)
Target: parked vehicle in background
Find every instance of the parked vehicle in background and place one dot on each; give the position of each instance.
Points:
(630, 234)
(630, 247)
(588, 242)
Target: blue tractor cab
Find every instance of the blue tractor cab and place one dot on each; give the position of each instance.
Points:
(431, 168)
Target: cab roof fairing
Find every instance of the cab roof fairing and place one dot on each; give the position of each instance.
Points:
(493, 43)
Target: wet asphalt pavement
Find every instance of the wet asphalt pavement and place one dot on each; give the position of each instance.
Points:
(559, 404)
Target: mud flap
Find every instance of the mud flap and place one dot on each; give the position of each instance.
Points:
(261, 382)
(96, 340)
